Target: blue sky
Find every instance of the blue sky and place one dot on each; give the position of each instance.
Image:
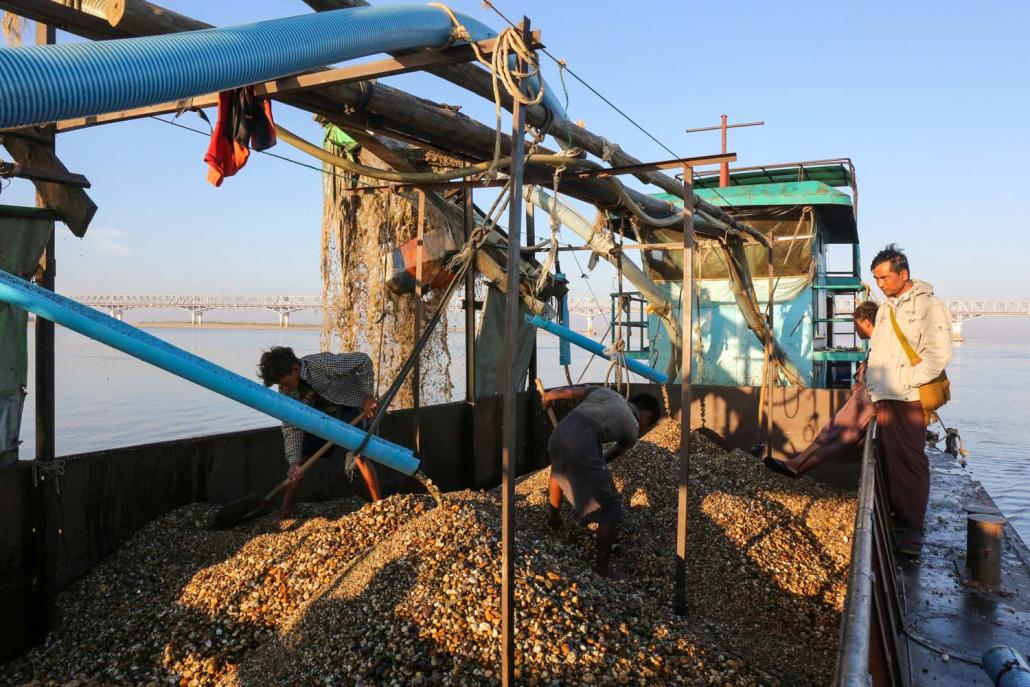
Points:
(928, 98)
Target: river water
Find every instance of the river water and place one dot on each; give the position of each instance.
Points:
(106, 399)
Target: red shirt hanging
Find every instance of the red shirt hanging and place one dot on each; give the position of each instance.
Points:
(244, 122)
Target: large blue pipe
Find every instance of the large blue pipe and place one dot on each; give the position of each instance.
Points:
(139, 344)
(596, 348)
(53, 82)
(1006, 667)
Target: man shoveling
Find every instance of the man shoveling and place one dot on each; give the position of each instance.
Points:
(337, 384)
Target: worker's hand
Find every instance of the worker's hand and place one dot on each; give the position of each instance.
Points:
(294, 474)
(370, 406)
(546, 399)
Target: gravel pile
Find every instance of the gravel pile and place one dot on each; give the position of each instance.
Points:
(401, 593)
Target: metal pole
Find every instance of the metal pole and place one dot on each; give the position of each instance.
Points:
(772, 371)
(470, 304)
(686, 313)
(43, 591)
(724, 168)
(510, 377)
(531, 240)
(416, 371)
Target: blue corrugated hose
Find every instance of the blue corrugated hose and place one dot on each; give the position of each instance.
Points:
(1006, 666)
(596, 348)
(49, 83)
(139, 344)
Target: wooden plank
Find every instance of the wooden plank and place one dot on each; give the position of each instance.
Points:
(15, 170)
(74, 206)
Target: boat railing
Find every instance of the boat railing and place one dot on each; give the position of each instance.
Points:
(868, 648)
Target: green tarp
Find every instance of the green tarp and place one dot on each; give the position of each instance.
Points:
(22, 241)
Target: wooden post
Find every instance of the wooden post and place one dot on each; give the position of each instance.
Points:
(686, 312)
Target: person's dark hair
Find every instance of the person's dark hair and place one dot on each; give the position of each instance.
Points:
(276, 363)
(892, 254)
(649, 404)
(866, 311)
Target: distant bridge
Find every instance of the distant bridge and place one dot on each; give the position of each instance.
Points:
(962, 310)
(198, 305)
(116, 305)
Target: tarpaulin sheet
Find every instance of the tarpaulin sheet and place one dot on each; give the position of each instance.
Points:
(22, 241)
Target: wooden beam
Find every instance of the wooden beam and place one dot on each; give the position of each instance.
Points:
(74, 206)
(652, 166)
(13, 169)
(64, 18)
(141, 18)
(199, 103)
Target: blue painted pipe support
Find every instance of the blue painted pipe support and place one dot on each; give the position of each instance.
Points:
(1006, 667)
(596, 348)
(48, 83)
(139, 344)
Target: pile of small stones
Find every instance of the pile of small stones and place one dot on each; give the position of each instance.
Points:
(401, 593)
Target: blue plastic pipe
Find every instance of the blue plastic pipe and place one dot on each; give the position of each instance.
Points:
(139, 344)
(564, 348)
(49, 83)
(1006, 667)
(596, 348)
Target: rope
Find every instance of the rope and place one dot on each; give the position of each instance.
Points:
(555, 225)
(617, 351)
(509, 46)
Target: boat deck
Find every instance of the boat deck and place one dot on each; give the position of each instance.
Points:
(947, 624)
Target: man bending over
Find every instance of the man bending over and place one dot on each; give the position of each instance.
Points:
(579, 462)
(338, 384)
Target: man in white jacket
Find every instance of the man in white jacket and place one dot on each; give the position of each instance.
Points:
(893, 383)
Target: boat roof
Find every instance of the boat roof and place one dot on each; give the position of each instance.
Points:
(799, 183)
(837, 173)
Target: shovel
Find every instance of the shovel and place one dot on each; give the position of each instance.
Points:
(550, 411)
(252, 505)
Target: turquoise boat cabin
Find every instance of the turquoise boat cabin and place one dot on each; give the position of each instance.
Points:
(808, 211)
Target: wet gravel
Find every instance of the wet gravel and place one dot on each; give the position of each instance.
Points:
(402, 593)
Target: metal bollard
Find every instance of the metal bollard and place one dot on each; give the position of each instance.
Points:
(983, 547)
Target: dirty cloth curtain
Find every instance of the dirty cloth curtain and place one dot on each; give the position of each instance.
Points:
(490, 346)
(23, 243)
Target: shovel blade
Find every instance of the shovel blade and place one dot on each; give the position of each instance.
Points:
(237, 511)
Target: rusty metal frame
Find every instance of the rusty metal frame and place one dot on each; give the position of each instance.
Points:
(686, 353)
(510, 445)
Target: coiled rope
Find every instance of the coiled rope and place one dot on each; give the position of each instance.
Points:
(509, 49)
